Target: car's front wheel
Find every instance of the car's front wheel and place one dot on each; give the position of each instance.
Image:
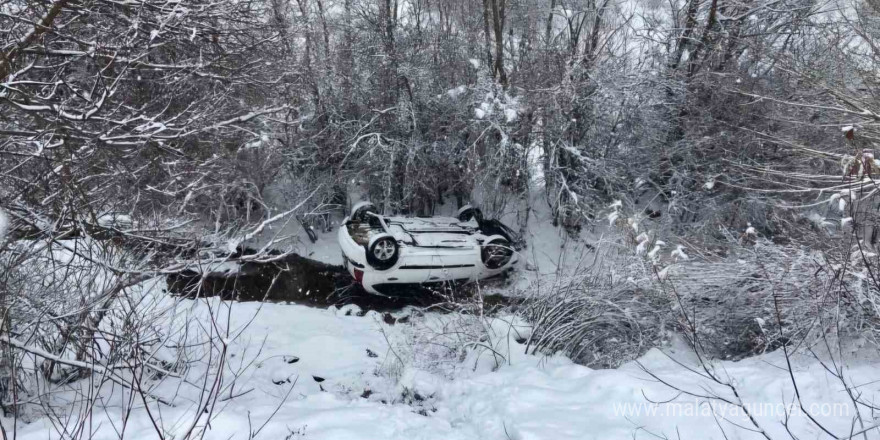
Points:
(383, 252)
(496, 252)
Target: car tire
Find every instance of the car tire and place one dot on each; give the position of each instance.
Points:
(361, 213)
(383, 252)
(360, 210)
(468, 212)
(494, 227)
(313, 236)
(496, 252)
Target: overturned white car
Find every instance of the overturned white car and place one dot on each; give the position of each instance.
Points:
(382, 253)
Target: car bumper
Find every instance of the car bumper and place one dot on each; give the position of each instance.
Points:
(375, 281)
(417, 266)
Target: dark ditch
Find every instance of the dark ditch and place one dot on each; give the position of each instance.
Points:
(296, 279)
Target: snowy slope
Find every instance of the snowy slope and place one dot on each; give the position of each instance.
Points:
(384, 381)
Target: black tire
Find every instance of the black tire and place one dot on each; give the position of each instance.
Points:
(383, 252)
(307, 227)
(468, 212)
(496, 253)
(313, 237)
(365, 214)
(360, 214)
(495, 227)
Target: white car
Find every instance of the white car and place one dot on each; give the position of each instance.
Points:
(382, 253)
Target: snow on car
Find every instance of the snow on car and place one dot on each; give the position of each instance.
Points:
(382, 253)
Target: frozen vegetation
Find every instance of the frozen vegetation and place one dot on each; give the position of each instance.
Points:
(678, 235)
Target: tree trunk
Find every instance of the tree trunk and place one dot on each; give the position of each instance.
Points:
(347, 61)
(6, 59)
(487, 35)
(548, 29)
(324, 28)
(498, 10)
(307, 58)
(694, 62)
(389, 80)
(684, 38)
(591, 47)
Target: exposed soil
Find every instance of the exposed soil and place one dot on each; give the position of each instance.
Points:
(296, 279)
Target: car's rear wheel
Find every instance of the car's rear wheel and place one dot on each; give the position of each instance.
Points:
(365, 212)
(383, 252)
(468, 212)
(496, 252)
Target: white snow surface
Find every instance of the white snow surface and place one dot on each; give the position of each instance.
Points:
(526, 397)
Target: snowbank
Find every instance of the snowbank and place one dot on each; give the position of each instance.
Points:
(331, 374)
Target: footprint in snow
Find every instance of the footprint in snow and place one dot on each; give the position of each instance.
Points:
(281, 381)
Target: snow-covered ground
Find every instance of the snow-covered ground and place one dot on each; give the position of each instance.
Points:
(349, 374)
(408, 381)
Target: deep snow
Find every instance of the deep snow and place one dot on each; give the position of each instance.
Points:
(373, 372)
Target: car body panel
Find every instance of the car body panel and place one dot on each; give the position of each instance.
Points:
(431, 250)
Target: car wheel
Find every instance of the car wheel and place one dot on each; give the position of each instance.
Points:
(360, 210)
(496, 253)
(382, 252)
(468, 212)
(494, 227)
